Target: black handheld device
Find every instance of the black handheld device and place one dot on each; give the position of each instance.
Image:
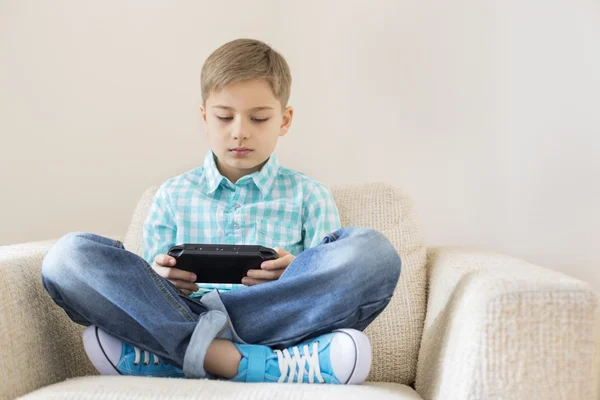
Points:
(220, 263)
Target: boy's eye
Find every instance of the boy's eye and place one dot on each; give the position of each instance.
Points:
(257, 120)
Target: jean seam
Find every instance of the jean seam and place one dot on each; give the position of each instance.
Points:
(169, 297)
(161, 286)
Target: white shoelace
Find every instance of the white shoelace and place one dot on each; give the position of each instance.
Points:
(146, 357)
(288, 363)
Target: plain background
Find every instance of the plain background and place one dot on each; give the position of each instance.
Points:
(487, 112)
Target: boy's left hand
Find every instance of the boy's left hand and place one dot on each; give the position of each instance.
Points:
(270, 270)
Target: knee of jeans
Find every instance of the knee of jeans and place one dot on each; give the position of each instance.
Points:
(66, 248)
(367, 234)
(390, 261)
(377, 244)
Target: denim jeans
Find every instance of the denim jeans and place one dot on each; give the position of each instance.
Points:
(344, 282)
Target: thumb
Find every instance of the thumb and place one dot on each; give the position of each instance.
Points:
(281, 252)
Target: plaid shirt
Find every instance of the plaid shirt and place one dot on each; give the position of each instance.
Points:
(273, 207)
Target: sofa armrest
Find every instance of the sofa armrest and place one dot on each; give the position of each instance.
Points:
(39, 344)
(498, 327)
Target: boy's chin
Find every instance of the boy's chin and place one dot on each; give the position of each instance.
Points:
(246, 166)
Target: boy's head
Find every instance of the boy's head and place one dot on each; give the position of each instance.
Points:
(245, 89)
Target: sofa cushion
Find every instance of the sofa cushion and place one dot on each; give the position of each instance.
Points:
(128, 387)
(396, 333)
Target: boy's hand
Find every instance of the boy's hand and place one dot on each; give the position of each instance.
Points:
(270, 270)
(183, 280)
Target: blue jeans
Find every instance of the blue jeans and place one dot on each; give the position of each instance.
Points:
(344, 282)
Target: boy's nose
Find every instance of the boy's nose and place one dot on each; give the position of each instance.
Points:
(240, 130)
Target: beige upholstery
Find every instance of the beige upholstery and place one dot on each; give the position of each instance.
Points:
(500, 328)
(496, 327)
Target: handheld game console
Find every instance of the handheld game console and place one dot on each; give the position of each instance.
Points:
(220, 263)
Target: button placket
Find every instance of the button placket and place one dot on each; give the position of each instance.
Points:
(237, 216)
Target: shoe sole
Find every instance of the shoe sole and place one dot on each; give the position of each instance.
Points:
(96, 353)
(364, 356)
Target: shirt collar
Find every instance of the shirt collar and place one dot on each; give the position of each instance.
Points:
(263, 179)
(212, 176)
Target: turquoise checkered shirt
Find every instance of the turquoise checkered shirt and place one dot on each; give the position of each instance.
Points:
(273, 207)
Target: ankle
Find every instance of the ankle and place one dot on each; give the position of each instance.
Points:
(222, 359)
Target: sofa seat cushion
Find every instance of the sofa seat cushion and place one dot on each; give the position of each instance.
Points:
(128, 387)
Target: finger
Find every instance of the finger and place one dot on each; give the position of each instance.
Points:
(174, 273)
(251, 281)
(164, 260)
(281, 252)
(265, 275)
(184, 285)
(282, 262)
(186, 292)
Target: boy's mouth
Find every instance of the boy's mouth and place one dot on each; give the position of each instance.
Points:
(240, 151)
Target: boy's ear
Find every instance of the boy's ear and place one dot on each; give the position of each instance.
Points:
(203, 115)
(286, 122)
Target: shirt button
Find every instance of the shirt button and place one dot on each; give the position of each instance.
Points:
(236, 225)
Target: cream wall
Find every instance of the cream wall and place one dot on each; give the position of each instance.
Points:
(487, 112)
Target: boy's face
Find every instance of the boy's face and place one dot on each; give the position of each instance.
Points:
(243, 122)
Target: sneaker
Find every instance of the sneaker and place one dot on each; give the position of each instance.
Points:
(112, 356)
(341, 357)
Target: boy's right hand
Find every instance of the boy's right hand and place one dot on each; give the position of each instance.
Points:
(183, 280)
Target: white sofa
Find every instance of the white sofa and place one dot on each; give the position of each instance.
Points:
(463, 324)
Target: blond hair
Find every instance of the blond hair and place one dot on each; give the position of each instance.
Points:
(246, 59)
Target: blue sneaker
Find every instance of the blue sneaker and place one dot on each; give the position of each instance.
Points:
(341, 357)
(112, 356)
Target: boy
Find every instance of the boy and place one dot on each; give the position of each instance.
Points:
(297, 319)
